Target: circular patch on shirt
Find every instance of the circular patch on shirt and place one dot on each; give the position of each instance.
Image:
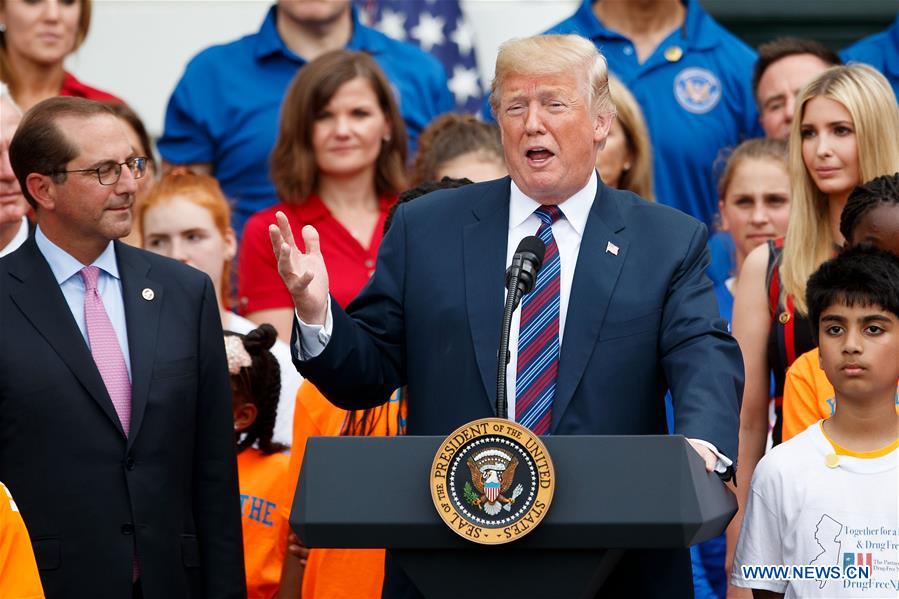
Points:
(697, 90)
(492, 481)
(832, 460)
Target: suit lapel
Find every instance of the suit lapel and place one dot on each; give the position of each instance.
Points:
(595, 277)
(485, 242)
(142, 309)
(43, 304)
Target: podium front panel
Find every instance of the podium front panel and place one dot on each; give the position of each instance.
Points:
(611, 492)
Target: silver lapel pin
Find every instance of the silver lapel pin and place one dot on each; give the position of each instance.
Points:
(147, 294)
(611, 248)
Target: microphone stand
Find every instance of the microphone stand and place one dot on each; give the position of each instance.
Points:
(513, 297)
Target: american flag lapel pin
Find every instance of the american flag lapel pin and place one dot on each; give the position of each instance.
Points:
(611, 248)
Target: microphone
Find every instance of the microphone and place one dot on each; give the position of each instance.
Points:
(520, 279)
(526, 263)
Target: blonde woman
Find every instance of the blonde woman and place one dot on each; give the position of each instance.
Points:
(844, 133)
(625, 162)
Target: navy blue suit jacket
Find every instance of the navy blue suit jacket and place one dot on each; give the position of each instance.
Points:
(86, 492)
(638, 323)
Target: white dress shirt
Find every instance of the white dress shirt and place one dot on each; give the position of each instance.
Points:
(567, 232)
(66, 270)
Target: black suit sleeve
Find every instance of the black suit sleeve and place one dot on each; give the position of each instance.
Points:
(216, 492)
(364, 361)
(701, 360)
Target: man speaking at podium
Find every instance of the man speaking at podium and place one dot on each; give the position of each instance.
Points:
(621, 311)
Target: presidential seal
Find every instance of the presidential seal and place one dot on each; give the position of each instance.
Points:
(492, 481)
(697, 90)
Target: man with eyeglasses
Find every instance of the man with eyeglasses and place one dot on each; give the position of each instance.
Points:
(116, 433)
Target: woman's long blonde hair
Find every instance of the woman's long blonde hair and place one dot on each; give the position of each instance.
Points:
(870, 101)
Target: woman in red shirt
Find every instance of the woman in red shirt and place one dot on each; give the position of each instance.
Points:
(338, 164)
(35, 39)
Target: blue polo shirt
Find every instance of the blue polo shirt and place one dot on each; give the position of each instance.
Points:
(225, 109)
(696, 94)
(881, 51)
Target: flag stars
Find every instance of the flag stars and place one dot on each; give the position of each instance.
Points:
(429, 31)
(392, 24)
(463, 37)
(464, 84)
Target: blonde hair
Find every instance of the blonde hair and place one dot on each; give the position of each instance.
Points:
(760, 148)
(870, 101)
(554, 55)
(638, 178)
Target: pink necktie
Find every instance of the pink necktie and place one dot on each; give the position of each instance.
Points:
(105, 348)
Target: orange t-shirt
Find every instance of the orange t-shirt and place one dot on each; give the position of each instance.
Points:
(337, 573)
(18, 570)
(262, 491)
(808, 395)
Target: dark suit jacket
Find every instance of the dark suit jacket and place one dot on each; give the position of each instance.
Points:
(88, 494)
(638, 323)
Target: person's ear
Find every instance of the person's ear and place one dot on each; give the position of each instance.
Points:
(602, 124)
(725, 225)
(388, 132)
(628, 163)
(244, 416)
(230, 244)
(42, 189)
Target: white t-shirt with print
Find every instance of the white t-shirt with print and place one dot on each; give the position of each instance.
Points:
(803, 512)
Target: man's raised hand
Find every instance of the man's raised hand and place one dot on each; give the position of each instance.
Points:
(304, 274)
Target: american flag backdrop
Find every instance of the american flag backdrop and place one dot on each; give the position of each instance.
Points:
(439, 28)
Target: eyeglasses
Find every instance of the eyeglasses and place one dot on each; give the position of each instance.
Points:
(110, 172)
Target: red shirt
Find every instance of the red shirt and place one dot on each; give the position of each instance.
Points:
(73, 87)
(349, 264)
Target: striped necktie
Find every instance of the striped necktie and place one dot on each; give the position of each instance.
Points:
(538, 337)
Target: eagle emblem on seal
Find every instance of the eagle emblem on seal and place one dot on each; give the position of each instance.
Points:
(492, 473)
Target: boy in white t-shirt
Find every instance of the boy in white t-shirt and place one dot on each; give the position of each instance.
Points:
(825, 503)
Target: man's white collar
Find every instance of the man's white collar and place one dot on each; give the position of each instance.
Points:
(576, 208)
